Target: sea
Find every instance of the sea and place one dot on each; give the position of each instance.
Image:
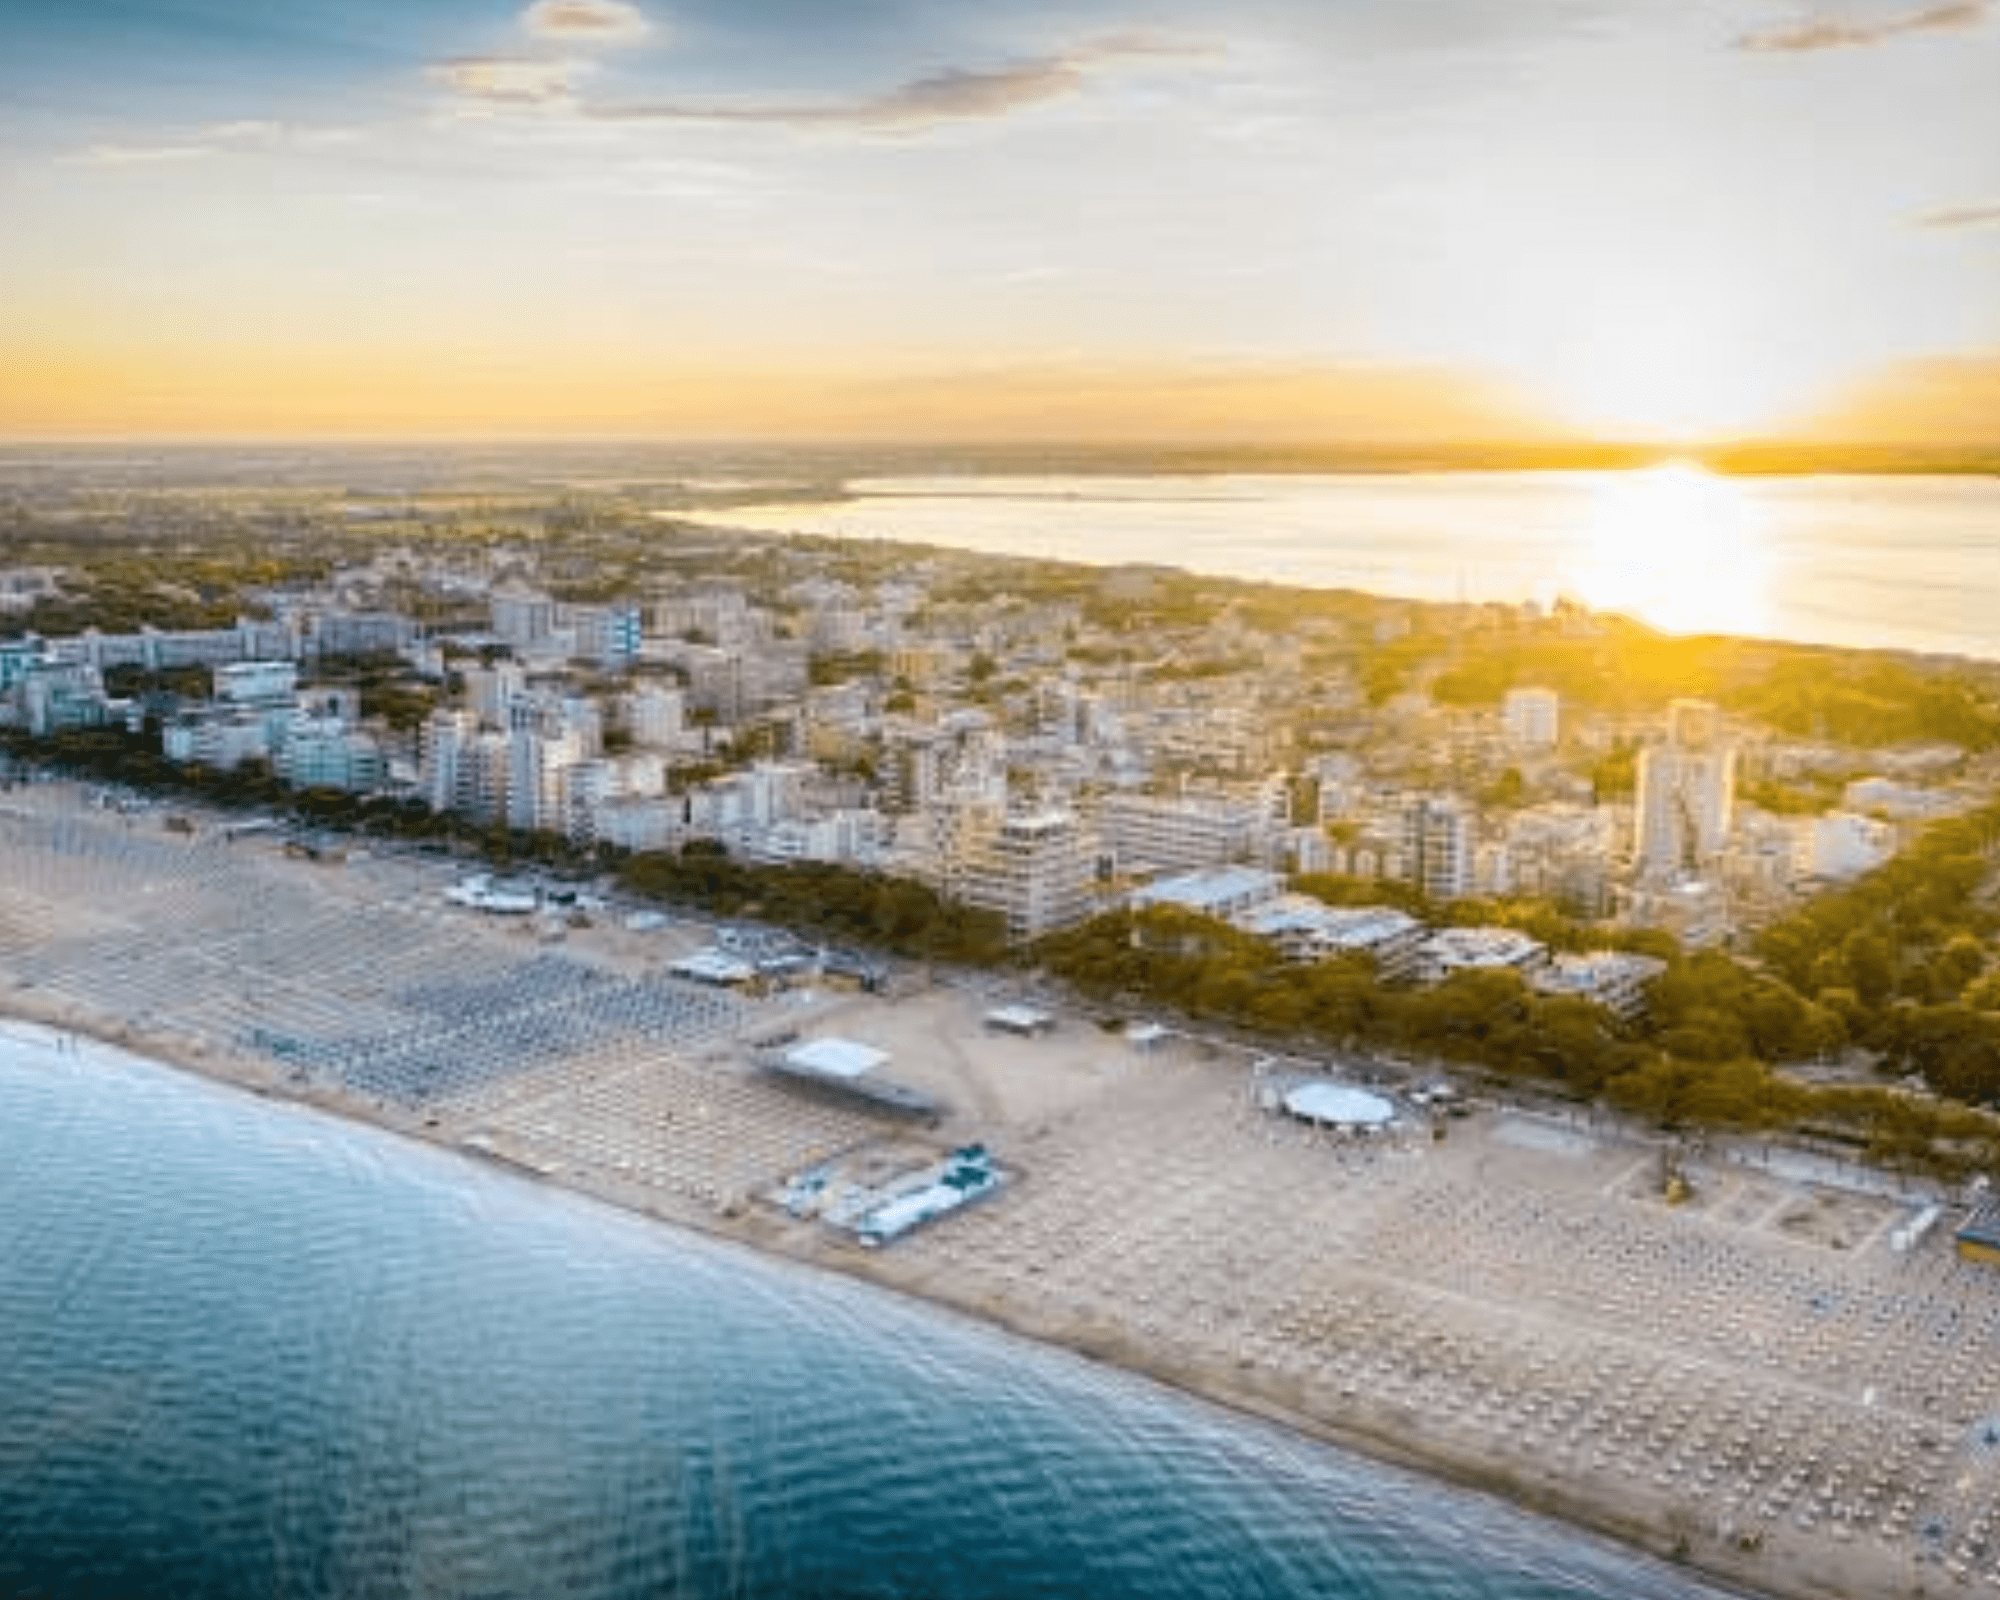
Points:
(1905, 562)
(251, 1350)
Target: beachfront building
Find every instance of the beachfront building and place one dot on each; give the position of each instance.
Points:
(53, 695)
(465, 769)
(1305, 929)
(1451, 950)
(1614, 979)
(1224, 893)
(325, 753)
(543, 744)
(1034, 868)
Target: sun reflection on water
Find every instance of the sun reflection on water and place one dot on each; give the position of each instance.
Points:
(1679, 547)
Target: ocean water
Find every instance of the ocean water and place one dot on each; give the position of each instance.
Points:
(251, 1351)
(1903, 562)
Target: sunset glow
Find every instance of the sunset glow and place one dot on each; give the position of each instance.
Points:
(1382, 223)
(1678, 547)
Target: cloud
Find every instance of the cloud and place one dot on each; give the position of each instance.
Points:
(955, 94)
(1834, 33)
(509, 80)
(138, 155)
(1954, 217)
(586, 22)
(243, 133)
(217, 139)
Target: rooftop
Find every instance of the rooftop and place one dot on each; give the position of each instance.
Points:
(1481, 947)
(1322, 1100)
(1210, 888)
(835, 1058)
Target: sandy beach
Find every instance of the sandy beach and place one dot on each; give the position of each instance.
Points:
(1753, 1381)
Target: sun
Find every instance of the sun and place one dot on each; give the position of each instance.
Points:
(1678, 547)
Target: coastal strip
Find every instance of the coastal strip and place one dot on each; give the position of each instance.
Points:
(1753, 1382)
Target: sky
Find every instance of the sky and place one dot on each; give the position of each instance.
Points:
(1339, 221)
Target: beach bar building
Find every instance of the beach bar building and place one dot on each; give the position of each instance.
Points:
(847, 1067)
(1326, 1103)
(1023, 1021)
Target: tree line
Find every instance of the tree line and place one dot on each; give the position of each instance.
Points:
(841, 903)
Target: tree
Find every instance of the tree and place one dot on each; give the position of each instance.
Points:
(1871, 970)
(1983, 993)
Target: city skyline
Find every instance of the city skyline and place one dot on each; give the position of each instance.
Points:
(1105, 221)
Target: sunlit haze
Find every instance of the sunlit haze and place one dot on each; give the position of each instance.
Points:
(1444, 220)
(1679, 546)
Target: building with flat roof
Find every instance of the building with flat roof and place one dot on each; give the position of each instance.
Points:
(848, 1067)
(1614, 979)
(1224, 893)
(1305, 929)
(1686, 794)
(1452, 950)
(1024, 1021)
(1438, 846)
(1033, 868)
(1183, 832)
(713, 966)
(1328, 1104)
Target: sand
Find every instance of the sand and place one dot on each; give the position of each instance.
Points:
(1753, 1382)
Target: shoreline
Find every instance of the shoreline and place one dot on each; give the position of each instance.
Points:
(1749, 1386)
(1105, 1346)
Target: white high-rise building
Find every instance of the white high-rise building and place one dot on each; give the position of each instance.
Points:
(1532, 717)
(445, 734)
(1438, 847)
(543, 743)
(465, 770)
(1034, 868)
(1686, 794)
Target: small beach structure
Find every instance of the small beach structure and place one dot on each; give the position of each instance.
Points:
(848, 1067)
(1327, 1104)
(1023, 1021)
(480, 893)
(965, 1175)
(714, 967)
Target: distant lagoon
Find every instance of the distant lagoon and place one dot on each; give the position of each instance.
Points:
(1897, 562)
